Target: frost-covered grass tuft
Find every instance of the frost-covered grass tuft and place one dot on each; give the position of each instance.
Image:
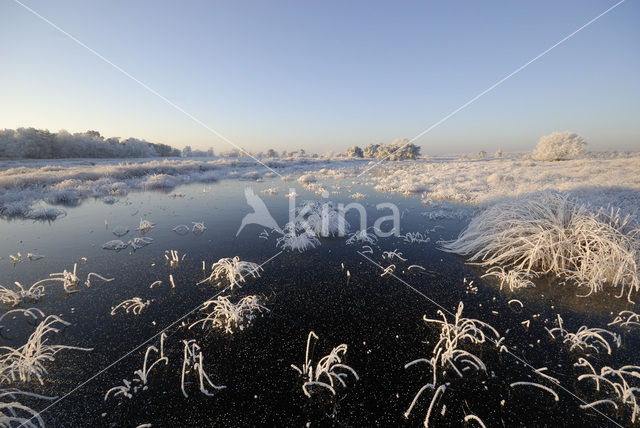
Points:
(548, 232)
(140, 242)
(141, 379)
(626, 319)
(514, 279)
(229, 316)
(296, 238)
(193, 360)
(329, 370)
(586, 338)
(323, 219)
(115, 245)
(13, 413)
(447, 351)
(622, 385)
(134, 305)
(233, 270)
(28, 360)
(145, 226)
(416, 238)
(362, 236)
(14, 297)
(198, 227)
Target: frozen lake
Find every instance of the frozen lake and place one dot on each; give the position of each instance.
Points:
(332, 289)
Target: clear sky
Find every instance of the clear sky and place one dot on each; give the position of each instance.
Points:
(325, 75)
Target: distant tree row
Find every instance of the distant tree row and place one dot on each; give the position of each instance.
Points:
(42, 144)
(188, 152)
(399, 149)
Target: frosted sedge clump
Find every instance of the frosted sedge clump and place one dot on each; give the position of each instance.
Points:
(329, 370)
(233, 270)
(28, 360)
(228, 316)
(69, 280)
(140, 242)
(198, 228)
(145, 226)
(514, 279)
(623, 385)
(447, 351)
(549, 233)
(586, 338)
(362, 236)
(297, 238)
(322, 219)
(559, 146)
(134, 305)
(13, 413)
(193, 360)
(127, 389)
(115, 245)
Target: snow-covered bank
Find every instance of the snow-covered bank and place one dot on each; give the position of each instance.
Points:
(25, 184)
(598, 180)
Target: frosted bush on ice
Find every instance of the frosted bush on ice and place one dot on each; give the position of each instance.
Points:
(127, 389)
(549, 233)
(559, 146)
(307, 178)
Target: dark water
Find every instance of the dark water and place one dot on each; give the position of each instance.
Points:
(380, 319)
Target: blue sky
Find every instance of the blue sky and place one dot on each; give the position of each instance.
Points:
(325, 75)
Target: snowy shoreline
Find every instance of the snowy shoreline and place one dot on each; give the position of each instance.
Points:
(599, 180)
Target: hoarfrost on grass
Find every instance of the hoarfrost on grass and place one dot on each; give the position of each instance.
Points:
(548, 232)
(229, 316)
(233, 270)
(329, 371)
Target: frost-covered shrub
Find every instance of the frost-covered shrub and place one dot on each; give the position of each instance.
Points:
(399, 149)
(371, 150)
(271, 154)
(354, 152)
(560, 146)
(549, 233)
